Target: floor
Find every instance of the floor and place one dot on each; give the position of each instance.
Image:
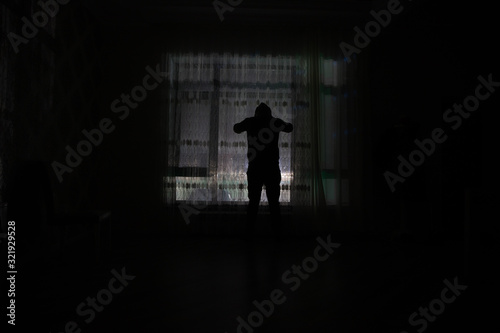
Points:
(210, 284)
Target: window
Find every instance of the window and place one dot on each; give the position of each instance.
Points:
(208, 94)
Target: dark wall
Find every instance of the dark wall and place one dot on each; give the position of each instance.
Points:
(428, 59)
(128, 168)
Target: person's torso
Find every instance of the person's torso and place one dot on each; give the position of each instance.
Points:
(262, 142)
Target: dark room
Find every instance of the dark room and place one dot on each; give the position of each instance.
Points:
(248, 166)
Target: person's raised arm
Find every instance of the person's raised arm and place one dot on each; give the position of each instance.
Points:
(288, 128)
(240, 127)
(278, 125)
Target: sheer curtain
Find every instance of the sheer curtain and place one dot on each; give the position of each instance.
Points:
(340, 121)
(208, 94)
(316, 90)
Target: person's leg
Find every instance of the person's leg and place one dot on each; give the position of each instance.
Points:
(273, 188)
(254, 192)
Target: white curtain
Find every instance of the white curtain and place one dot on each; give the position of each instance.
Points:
(208, 94)
(321, 160)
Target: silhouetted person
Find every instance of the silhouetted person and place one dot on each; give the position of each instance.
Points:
(263, 162)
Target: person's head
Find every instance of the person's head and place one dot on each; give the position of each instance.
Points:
(263, 111)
